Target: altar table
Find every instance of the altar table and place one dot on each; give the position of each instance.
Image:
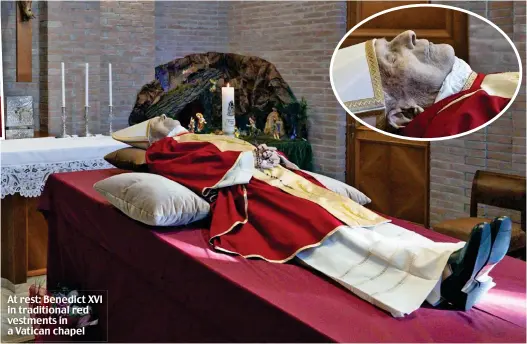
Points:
(25, 166)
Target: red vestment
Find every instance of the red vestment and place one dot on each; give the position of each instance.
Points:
(253, 219)
(457, 113)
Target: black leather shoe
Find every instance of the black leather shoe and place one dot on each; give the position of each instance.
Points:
(501, 229)
(461, 288)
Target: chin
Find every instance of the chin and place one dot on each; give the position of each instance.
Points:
(444, 56)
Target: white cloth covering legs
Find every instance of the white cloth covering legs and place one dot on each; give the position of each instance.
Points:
(387, 265)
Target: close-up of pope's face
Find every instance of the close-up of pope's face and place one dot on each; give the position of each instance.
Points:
(412, 70)
(161, 126)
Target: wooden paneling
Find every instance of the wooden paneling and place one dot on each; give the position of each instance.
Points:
(14, 239)
(394, 173)
(439, 25)
(37, 239)
(24, 239)
(24, 37)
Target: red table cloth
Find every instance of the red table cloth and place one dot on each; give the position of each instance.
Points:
(165, 284)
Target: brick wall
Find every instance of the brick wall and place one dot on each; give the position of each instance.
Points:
(127, 31)
(500, 146)
(76, 32)
(186, 27)
(299, 38)
(11, 87)
(73, 31)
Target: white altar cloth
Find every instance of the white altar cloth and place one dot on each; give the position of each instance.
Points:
(27, 163)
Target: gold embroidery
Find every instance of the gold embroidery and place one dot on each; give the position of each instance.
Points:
(377, 102)
(222, 142)
(459, 99)
(343, 208)
(470, 81)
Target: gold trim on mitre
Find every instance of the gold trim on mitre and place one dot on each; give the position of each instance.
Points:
(377, 101)
(135, 135)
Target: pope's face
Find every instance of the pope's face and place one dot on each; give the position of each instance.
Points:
(414, 65)
(161, 126)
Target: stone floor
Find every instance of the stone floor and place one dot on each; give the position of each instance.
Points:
(8, 289)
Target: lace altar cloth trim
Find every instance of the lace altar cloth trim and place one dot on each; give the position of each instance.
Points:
(29, 180)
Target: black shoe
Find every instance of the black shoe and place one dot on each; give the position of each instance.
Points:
(461, 288)
(501, 229)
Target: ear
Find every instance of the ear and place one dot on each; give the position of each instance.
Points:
(399, 117)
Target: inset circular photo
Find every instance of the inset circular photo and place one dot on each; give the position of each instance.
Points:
(423, 83)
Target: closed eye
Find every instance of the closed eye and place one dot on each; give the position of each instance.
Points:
(391, 58)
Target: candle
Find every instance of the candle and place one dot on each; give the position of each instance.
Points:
(110, 76)
(86, 87)
(63, 86)
(227, 110)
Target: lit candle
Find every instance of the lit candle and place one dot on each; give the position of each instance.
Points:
(227, 110)
(86, 87)
(110, 75)
(63, 86)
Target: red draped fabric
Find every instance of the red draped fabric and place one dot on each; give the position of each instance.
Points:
(245, 219)
(477, 108)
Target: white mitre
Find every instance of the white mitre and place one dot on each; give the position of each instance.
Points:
(142, 135)
(357, 81)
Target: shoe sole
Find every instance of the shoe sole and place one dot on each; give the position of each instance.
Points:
(463, 291)
(500, 244)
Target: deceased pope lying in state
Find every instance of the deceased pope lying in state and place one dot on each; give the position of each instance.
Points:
(415, 88)
(263, 206)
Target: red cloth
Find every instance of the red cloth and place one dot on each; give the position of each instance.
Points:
(202, 165)
(166, 285)
(462, 116)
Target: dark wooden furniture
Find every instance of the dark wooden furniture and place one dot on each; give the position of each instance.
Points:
(498, 190)
(24, 37)
(394, 173)
(24, 237)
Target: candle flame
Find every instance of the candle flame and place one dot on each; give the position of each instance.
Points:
(228, 85)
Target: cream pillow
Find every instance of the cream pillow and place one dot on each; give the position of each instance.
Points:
(341, 188)
(152, 199)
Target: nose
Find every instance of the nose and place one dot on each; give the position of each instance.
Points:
(407, 38)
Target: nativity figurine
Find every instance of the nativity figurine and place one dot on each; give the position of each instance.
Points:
(192, 125)
(274, 125)
(201, 122)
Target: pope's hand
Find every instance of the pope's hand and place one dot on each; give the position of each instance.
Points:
(266, 157)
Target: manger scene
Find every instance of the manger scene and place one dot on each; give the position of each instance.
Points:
(265, 109)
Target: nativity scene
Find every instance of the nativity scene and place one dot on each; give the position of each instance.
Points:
(182, 184)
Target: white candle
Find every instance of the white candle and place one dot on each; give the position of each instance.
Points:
(227, 110)
(110, 76)
(63, 86)
(86, 87)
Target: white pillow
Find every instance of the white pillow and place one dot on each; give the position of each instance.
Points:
(341, 188)
(153, 199)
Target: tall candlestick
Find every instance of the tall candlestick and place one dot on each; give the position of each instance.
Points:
(227, 110)
(110, 78)
(63, 86)
(86, 87)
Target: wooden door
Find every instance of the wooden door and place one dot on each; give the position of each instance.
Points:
(439, 25)
(394, 173)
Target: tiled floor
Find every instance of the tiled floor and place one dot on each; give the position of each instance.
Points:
(8, 289)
